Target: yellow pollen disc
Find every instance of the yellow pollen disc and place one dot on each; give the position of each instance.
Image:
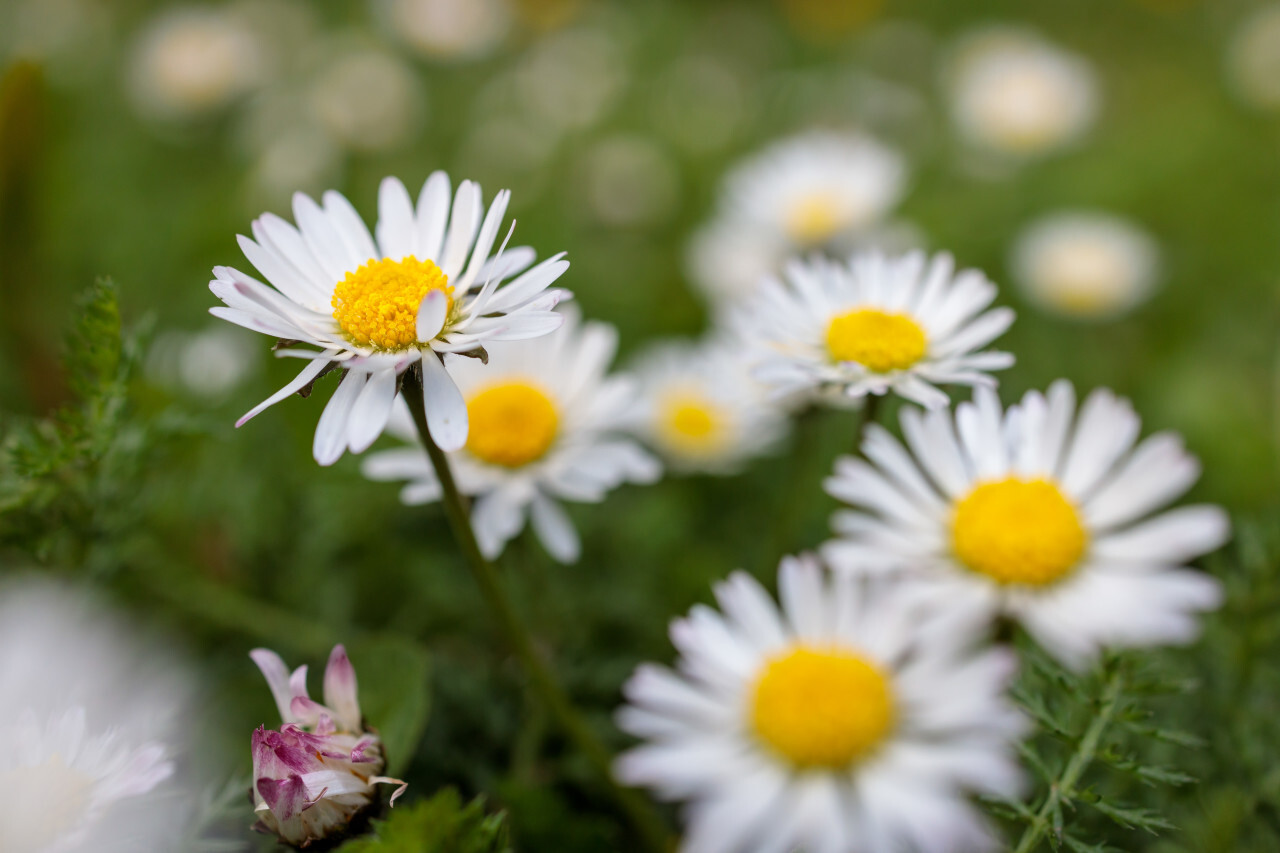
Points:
(691, 424)
(877, 340)
(821, 707)
(814, 220)
(377, 305)
(1018, 531)
(512, 424)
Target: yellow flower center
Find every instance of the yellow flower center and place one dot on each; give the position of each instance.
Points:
(1018, 531)
(877, 340)
(377, 305)
(821, 707)
(690, 423)
(814, 220)
(511, 424)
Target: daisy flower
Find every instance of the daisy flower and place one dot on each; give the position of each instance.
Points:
(849, 718)
(544, 423)
(424, 288)
(1085, 265)
(815, 190)
(874, 325)
(315, 774)
(1039, 513)
(701, 409)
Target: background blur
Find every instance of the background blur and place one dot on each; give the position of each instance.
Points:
(137, 139)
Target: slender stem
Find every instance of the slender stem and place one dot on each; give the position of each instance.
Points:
(644, 820)
(1080, 761)
(870, 412)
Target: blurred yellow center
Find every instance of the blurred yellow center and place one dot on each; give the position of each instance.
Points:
(821, 707)
(813, 220)
(877, 340)
(691, 423)
(46, 802)
(1018, 531)
(377, 305)
(512, 424)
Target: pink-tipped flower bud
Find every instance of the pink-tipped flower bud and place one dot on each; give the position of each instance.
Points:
(317, 773)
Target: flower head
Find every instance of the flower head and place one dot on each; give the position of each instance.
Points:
(851, 717)
(545, 424)
(424, 288)
(315, 774)
(1038, 512)
(874, 325)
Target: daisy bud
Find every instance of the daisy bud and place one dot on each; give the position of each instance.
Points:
(316, 774)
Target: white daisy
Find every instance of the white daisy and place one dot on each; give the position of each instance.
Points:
(873, 325)
(819, 189)
(448, 29)
(1013, 92)
(1085, 265)
(700, 407)
(851, 718)
(544, 427)
(426, 287)
(1039, 514)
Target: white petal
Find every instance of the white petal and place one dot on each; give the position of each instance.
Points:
(446, 410)
(431, 315)
(308, 374)
(331, 430)
(371, 410)
(554, 528)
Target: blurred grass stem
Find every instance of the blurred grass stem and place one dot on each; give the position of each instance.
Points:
(648, 825)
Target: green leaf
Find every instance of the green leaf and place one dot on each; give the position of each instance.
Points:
(395, 694)
(438, 825)
(94, 343)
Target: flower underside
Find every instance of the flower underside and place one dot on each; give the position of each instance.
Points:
(377, 304)
(511, 424)
(1018, 531)
(878, 340)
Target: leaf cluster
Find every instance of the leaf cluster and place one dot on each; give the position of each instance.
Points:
(441, 824)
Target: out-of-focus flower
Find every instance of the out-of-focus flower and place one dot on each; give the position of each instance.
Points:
(700, 407)
(1017, 94)
(317, 773)
(630, 181)
(700, 103)
(1253, 59)
(833, 722)
(426, 287)
(1085, 265)
(1038, 513)
(569, 80)
(544, 427)
(448, 29)
(208, 363)
(874, 325)
(89, 729)
(368, 100)
(816, 190)
(194, 60)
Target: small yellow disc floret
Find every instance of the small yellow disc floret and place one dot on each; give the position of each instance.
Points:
(877, 340)
(821, 707)
(1018, 531)
(377, 305)
(511, 424)
(691, 424)
(814, 220)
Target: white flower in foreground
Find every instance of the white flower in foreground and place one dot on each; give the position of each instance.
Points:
(425, 288)
(1015, 93)
(816, 190)
(1085, 265)
(90, 722)
(544, 427)
(317, 773)
(849, 719)
(874, 325)
(700, 407)
(1039, 514)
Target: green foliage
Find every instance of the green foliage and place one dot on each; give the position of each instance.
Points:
(394, 675)
(441, 824)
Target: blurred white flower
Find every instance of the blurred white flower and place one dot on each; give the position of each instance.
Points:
(699, 103)
(1253, 59)
(700, 407)
(1038, 512)
(448, 29)
(545, 420)
(570, 79)
(368, 100)
(208, 363)
(90, 722)
(193, 60)
(630, 181)
(1085, 265)
(876, 324)
(844, 717)
(1015, 93)
(319, 771)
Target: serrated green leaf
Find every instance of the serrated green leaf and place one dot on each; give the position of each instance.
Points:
(438, 825)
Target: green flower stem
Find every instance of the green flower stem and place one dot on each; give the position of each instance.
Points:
(870, 414)
(1064, 787)
(644, 819)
